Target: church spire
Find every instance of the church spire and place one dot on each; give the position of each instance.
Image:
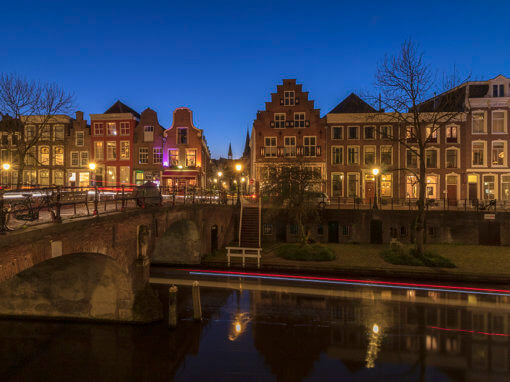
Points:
(230, 151)
(246, 152)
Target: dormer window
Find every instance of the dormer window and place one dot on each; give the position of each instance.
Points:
(289, 99)
(498, 90)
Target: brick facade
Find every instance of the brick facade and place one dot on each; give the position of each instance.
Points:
(78, 153)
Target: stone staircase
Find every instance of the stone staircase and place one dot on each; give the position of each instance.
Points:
(249, 235)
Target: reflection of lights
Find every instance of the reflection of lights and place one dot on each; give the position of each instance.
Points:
(238, 327)
(375, 328)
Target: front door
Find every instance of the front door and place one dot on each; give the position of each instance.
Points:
(333, 232)
(376, 231)
(451, 194)
(369, 189)
(472, 191)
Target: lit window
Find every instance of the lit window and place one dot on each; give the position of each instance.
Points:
(143, 155)
(173, 155)
(498, 153)
(58, 155)
(124, 150)
(75, 159)
(44, 155)
(498, 122)
(157, 155)
(191, 158)
(478, 122)
(111, 150)
(112, 128)
(84, 158)
(431, 134)
(451, 134)
(98, 150)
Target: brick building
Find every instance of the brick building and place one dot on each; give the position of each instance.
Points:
(78, 155)
(148, 148)
(112, 141)
(289, 129)
(185, 155)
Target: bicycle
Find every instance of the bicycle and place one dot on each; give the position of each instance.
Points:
(28, 209)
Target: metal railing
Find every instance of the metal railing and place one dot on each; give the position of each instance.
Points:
(19, 207)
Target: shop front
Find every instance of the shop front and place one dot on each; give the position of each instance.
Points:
(180, 180)
(78, 178)
(144, 176)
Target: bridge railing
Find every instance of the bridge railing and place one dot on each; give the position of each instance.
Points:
(30, 206)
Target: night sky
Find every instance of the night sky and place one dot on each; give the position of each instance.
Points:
(223, 59)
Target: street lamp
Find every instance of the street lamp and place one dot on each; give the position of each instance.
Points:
(238, 167)
(220, 174)
(375, 171)
(6, 166)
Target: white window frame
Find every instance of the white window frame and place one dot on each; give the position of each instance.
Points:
(343, 183)
(380, 155)
(312, 147)
(77, 135)
(124, 129)
(457, 128)
(114, 146)
(438, 158)
(484, 164)
(289, 148)
(341, 132)
(143, 152)
(84, 158)
(333, 155)
(77, 162)
(348, 163)
(473, 122)
(54, 155)
(365, 147)
(505, 160)
(434, 130)
(270, 151)
(63, 131)
(279, 120)
(415, 150)
(365, 131)
(349, 130)
(299, 119)
(457, 150)
(157, 153)
(504, 121)
(114, 130)
(40, 155)
(289, 98)
(390, 130)
(121, 157)
(357, 177)
(98, 129)
(96, 157)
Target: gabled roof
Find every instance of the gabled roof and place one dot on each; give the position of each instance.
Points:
(118, 108)
(353, 104)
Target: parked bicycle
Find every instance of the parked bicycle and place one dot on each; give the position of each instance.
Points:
(29, 207)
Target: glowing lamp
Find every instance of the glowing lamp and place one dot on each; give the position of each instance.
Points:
(375, 171)
(239, 167)
(220, 174)
(375, 328)
(6, 166)
(243, 179)
(179, 167)
(92, 166)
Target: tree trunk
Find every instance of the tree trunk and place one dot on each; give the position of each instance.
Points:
(420, 218)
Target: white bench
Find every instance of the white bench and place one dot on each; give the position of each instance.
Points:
(243, 253)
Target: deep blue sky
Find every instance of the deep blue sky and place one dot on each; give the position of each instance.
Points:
(224, 58)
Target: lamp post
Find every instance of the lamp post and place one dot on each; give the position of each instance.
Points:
(92, 167)
(375, 171)
(238, 168)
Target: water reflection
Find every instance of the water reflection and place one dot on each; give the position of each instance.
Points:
(253, 333)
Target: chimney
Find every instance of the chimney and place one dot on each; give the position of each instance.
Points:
(79, 116)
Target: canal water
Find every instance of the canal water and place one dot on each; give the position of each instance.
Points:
(279, 333)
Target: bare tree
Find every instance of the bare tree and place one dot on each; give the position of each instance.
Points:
(418, 103)
(25, 102)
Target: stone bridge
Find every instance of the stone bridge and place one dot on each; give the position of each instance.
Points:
(98, 267)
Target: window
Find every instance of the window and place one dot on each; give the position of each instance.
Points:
(451, 158)
(191, 158)
(44, 155)
(58, 155)
(5, 139)
(30, 157)
(173, 155)
(58, 177)
(337, 184)
(489, 189)
(289, 98)
(337, 132)
(270, 147)
(386, 155)
(478, 153)
(29, 177)
(431, 158)
(29, 132)
(124, 128)
(386, 185)
(498, 153)
(111, 150)
(84, 158)
(80, 138)
(157, 155)
(267, 229)
(98, 129)
(431, 134)
(412, 159)
(148, 133)
(478, 122)
(58, 133)
(352, 185)
(386, 132)
(346, 230)
(369, 132)
(279, 120)
(15, 139)
(45, 132)
(294, 229)
(498, 90)
(124, 150)
(451, 134)
(99, 150)
(299, 119)
(410, 134)
(44, 177)
(353, 132)
(182, 135)
(337, 155)
(498, 122)
(369, 155)
(5, 156)
(310, 146)
(143, 155)
(111, 175)
(505, 187)
(111, 128)
(352, 155)
(289, 147)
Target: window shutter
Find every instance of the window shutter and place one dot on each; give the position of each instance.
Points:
(299, 150)
(262, 151)
(280, 151)
(287, 123)
(318, 151)
(272, 124)
(307, 123)
(291, 124)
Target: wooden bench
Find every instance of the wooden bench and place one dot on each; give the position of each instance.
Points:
(243, 253)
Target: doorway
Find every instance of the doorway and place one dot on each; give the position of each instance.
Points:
(214, 239)
(369, 189)
(333, 236)
(376, 231)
